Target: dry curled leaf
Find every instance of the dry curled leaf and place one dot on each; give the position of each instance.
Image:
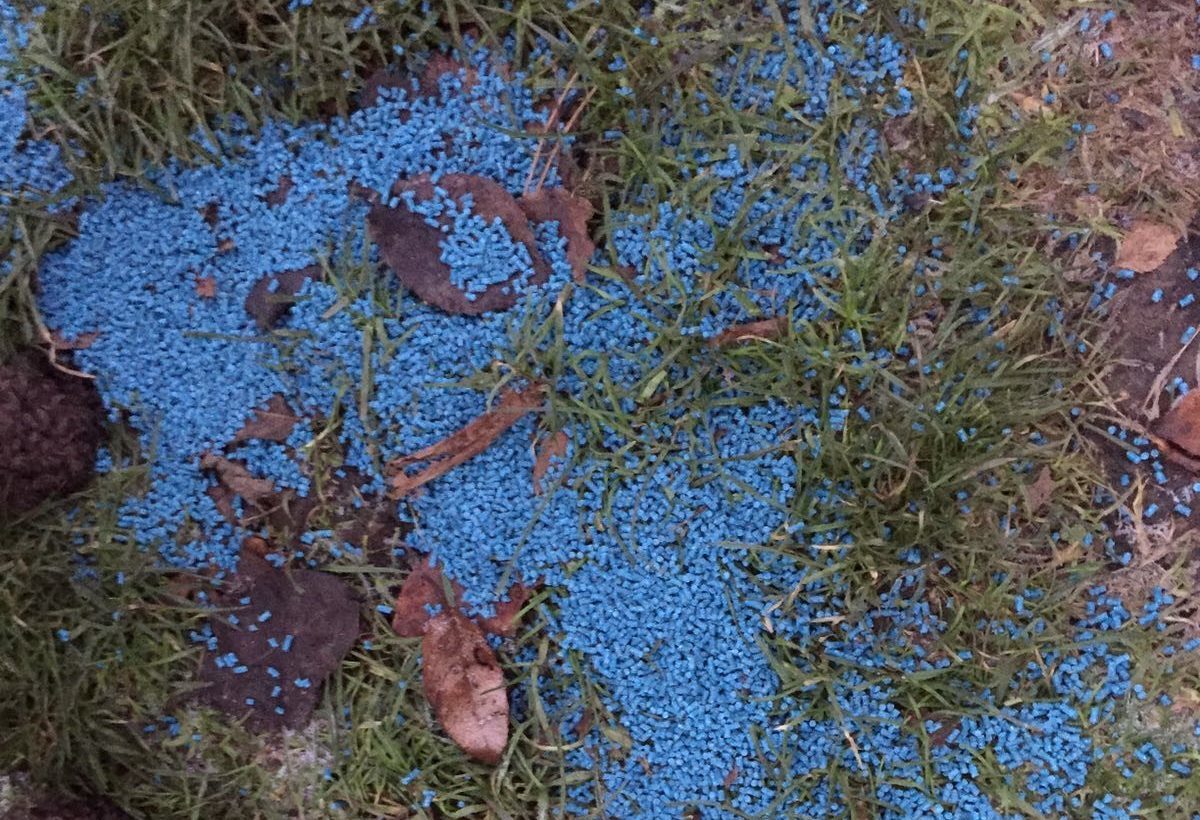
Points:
(237, 478)
(1146, 245)
(465, 444)
(546, 449)
(572, 213)
(274, 422)
(771, 328)
(1179, 429)
(465, 686)
(424, 587)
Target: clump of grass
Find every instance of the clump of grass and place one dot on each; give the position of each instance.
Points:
(128, 87)
(93, 654)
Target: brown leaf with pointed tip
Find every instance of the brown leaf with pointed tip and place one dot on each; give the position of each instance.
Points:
(771, 328)
(464, 444)
(274, 422)
(465, 686)
(508, 613)
(206, 287)
(318, 609)
(81, 342)
(572, 213)
(411, 247)
(1146, 245)
(1180, 428)
(1041, 490)
(546, 449)
(424, 586)
(238, 479)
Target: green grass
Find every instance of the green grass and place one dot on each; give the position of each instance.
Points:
(160, 81)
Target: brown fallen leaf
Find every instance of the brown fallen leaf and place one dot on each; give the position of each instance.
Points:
(81, 342)
(279, 196)
(223, 497)
(508, 613)
(771, 328)
(424, 586)
(465, 686)
(545, 449)
(412, 248)
(274, 422)
(268, 306)
(465, 444)
(317, 609)
(226, 245)
(1180, 429)
(206, 287)
(439, 65)
(1146, 245)
(1039, 492)
(237, 478)
(572, 213)
(210, 213)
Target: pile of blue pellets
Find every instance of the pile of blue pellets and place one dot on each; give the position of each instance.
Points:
(658, 579)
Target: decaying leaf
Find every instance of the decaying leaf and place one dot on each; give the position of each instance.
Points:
(546, 449)
(412, 248)
(1180, 429)
(316, 609)
(572, 213)
(771, 328)
(273, 296)
(1041, 490)
(424, 587)
(1146, 246)
(206, 287)
(237, 478)
(274, 422)
(465, 444)
(465, 686)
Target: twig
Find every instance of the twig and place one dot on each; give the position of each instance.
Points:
(52, 355)
(465, 444)
(550, 123)
(566, 130)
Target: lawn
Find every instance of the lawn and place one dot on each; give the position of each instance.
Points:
(542, 409)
